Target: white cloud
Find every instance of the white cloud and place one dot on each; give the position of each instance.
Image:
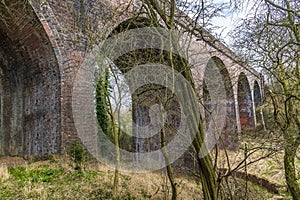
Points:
(227, 23)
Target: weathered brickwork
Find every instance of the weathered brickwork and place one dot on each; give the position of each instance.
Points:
(41, 48)
(30, 78)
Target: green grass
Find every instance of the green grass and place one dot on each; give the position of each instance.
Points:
(40, 174)
(76, 177)
(58, 179)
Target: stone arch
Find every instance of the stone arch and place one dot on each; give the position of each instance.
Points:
(245, 104)
(31, 85)
(131, 23)
(230, 121)
(257, 95)
(144, 98)
(226, 80)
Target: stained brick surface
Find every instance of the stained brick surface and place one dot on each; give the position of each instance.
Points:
(41, 49)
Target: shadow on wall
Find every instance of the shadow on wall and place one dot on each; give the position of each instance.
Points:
(30, 98)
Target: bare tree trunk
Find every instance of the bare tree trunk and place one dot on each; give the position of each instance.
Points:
(262, 119)
(208, 178)
(290, 150)
(207, 171)
(117, 164)
(166, 155)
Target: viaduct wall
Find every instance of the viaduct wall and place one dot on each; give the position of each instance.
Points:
(43, 43)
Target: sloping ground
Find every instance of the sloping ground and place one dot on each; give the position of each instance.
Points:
(57, 178)
(12, 161)
(264, 166)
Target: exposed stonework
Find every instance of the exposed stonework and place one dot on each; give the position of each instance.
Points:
(30, 80)
(41, 48)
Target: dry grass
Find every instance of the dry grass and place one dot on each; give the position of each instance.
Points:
(57, 178)
(267, 159)
(270, 168)
(4, 175)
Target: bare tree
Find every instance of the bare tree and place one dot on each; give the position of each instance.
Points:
(163, 13)
(270, 39)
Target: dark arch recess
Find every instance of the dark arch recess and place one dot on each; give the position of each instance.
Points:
(31, 84)
(257, 94)
(132, 23)
(245, 102)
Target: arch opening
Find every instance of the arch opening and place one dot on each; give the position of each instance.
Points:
(145, 100)
(257, 103)
(229, 128)
(257, 94)
(245, 103)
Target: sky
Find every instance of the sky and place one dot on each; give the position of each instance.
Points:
(230, 16)
(227, 23)
(225, 26)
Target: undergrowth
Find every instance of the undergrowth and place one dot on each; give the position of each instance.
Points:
(58, 179)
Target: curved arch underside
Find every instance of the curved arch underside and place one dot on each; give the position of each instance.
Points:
(230, 121)
(30, 85)
(146, 98)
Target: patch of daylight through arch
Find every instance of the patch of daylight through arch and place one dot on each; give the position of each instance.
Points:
(118, 93)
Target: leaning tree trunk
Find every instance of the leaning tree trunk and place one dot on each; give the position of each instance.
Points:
(205, 164)
(290, 149)
(207, 171)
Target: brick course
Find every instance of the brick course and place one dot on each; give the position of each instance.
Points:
(41, 49)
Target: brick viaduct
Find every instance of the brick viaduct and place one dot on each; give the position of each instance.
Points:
(42, 44)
